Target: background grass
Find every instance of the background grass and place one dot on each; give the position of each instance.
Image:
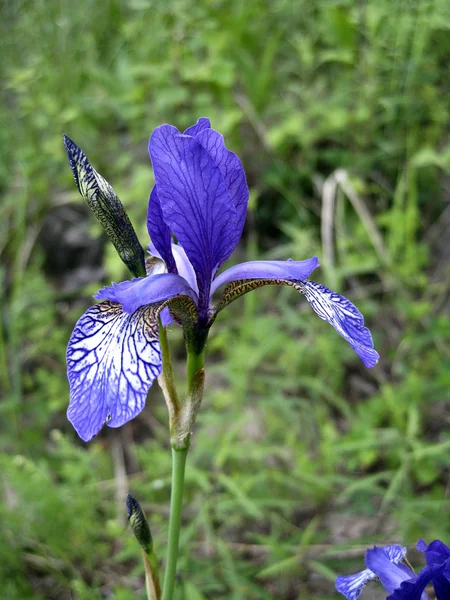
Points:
(339, 110)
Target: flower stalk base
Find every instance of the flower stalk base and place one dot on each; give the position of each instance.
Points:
(179, 456)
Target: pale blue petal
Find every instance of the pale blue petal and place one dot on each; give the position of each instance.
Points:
(351, 586)
(158, 231)
(112, 360)
(184, 266)
(344, 317)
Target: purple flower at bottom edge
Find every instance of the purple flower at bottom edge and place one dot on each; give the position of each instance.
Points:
(382, 563)
(437, 571)
(400, 582)
(200, 197)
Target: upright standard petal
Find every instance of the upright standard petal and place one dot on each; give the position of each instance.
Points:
(437, 553)
(159, 232)
(112, 360)
(344, 317)
(233, 172)
(147, 290)
(202, 123)
(290, 270)
(107, 207)
(195, 203)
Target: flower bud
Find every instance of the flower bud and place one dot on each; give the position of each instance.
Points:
(139, 524)
(106, 206)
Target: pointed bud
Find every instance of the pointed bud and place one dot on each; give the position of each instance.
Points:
(139, 524)
(106, 206)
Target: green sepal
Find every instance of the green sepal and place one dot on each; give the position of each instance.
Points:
(139, 524)
(106, 206)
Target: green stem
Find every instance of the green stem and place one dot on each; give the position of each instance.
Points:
(180, 446)
(179, 456)
(195, 363)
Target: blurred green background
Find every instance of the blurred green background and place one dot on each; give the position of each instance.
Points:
(339, 110)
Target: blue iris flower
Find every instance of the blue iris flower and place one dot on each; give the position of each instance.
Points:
(200, 199)
(387, 565)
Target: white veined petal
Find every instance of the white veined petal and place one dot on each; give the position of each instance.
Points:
(344, 317)
(351, 586)
(395, 553)
(112, 360)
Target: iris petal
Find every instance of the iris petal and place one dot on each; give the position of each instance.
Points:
(437, 553)
(184, 267)
(194, 130)
(344, 317)
(157, 229)
(390, 574)
(159, 232)
(112, 360)
(414, 589)
(351, 586)
(233, 172)
(267, 269)
(330, 306)
(195, 202)
(395, 553)
(147, 290)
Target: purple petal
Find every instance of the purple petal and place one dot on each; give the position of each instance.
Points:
(267, 269)
(437, 553)
(112, 360)
(414, 588)
(390, 574)
(421, 546)
(351, 586)
(195, 202)
(202, 123)
(148, 290)
(159, 232)
(233, 172)
(344, 317)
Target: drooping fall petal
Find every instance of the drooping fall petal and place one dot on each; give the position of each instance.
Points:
(112, 360)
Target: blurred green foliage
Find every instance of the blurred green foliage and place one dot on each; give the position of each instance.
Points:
(339, 110)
